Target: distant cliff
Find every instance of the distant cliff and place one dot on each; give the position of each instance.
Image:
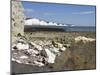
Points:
(17, 19)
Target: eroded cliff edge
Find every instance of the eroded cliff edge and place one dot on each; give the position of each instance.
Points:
(17, 19)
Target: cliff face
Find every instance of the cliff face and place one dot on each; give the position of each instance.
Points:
(17, 19)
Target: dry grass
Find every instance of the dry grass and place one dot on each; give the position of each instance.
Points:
(77, 56)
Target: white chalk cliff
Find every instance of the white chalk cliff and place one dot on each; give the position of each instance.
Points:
(35, 21)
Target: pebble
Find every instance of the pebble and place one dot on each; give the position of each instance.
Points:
(24, 57)
(21, 46)
(39, 63)
(63, 48)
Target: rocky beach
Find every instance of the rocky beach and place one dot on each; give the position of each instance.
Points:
(63, 51)
(48, 51)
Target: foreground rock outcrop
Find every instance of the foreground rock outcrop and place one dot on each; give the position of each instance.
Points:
(37, 53)
(17, 19)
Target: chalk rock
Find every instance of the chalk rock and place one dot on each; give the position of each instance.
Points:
(24, 57)
(43, 53)
(17, 19)
(83, 39)
(56, 50)
(63, 48)
(68, 45)
(60, 45)
(30, 51)
(38, 63)
(36, 46)
(37, 52)
(21, 41)
(21, 46)
(51, 56)
(43, 23)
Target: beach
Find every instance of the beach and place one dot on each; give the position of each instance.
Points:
(49, 40)
(80, 53)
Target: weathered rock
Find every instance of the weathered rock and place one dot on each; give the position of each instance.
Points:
(17, 19)
(39, 63)
(37, 52)
(43, 53)
(24, 57)
(55, 50)
(83, 39)
(36, 46)
(63, 48)
(34, 54)
(21, 46)
(51, 56)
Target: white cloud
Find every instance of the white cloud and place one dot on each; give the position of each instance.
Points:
(84, 12)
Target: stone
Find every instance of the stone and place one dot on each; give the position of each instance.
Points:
(21, 46)
(63, 48)
(60, 45)
(18, 61)
(43, 53)
(17, 19)
(56, 50)
(51, 56)
(21, 41)
(68, 45)
(15, 48)
(83, 39)
(36, 46)
(13, 59)
(34, 54)
(24, 57)
(39, 63)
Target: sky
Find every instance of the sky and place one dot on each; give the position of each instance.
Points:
(79, 15)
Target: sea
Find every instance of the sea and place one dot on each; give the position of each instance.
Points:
(81, 29)
(61, 28)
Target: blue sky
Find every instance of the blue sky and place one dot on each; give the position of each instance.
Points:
(79, 15)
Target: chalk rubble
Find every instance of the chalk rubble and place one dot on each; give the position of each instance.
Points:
(83, 39)
(37, 52)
